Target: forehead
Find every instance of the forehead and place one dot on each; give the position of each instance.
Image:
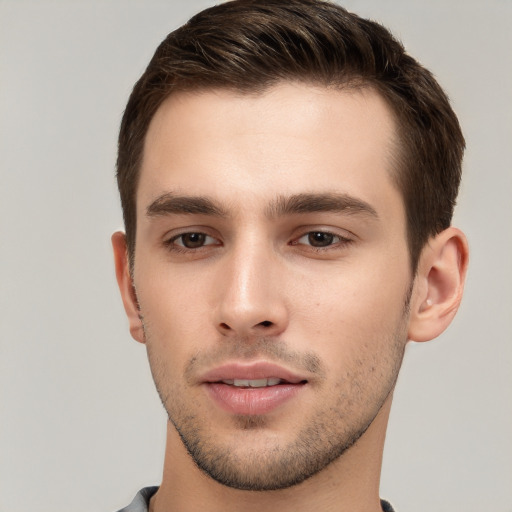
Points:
(290, 139)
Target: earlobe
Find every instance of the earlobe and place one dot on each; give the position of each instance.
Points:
(125, 283)
(439, 284)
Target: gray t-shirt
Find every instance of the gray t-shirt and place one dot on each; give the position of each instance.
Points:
(141, 501)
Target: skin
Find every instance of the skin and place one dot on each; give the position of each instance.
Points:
(323, 289)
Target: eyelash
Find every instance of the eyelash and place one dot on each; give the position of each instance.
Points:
(173, 246)
(340, 241)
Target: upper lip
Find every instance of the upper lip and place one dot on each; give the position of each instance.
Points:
(251, 371)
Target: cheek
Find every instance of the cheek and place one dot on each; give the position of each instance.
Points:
(353, 306)
(172, 310)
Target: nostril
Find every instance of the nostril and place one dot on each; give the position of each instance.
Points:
(261, 328)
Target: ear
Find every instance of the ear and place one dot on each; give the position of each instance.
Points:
(439, 284)
(125, 283)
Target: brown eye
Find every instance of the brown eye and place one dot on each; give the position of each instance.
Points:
(320, 239)
(192, 240)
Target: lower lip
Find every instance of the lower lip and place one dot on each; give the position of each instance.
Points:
(251, 401)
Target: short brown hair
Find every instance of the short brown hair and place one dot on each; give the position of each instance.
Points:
(249, 45)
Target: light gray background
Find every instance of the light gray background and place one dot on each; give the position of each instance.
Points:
(81, 427)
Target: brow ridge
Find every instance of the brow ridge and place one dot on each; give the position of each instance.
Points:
(296, 204)
(170, 203)
(319, 202)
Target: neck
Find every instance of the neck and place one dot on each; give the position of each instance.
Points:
(349, 483)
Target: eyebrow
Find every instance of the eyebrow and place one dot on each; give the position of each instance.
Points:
(169, 203)
(313, 203)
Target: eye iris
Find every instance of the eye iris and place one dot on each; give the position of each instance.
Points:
(193, 240)
(320, 239)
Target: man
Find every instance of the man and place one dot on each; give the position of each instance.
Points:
(288, 176)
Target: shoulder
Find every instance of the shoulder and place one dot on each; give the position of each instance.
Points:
(141, 501)
(386, 506)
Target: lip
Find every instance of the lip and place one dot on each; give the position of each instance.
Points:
(253, 370)
(251, 401)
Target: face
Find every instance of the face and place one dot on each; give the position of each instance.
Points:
(272, 276)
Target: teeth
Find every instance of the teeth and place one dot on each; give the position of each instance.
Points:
(252, 383)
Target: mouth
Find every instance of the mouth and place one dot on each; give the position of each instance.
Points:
(255, 383)
(252, 389)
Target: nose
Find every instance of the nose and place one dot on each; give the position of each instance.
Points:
(252, 299)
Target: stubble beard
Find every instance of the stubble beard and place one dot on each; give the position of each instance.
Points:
(326, 435)
(314, 448)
